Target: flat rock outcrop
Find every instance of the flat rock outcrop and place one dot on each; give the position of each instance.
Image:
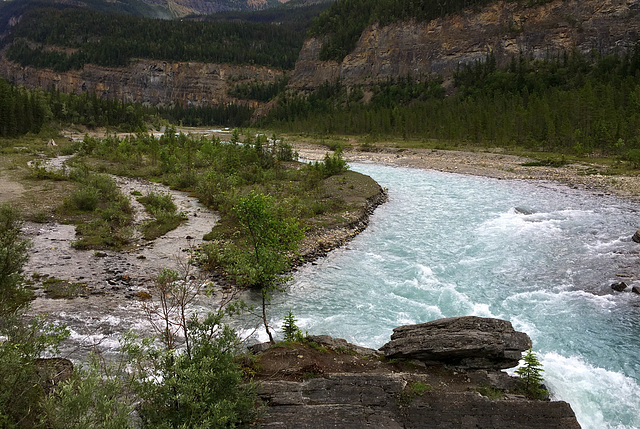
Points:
(330, 383)
(469, 342)
(383, 401)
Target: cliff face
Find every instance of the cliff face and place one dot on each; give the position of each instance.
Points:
(504, 28)
(145, 81)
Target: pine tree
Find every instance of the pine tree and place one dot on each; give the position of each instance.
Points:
(531, 375)
(290, 329)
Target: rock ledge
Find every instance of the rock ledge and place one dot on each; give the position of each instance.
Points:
(329, 383)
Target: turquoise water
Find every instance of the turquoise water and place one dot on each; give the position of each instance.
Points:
(540, 255)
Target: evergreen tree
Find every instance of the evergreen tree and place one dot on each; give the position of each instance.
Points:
(531, 375)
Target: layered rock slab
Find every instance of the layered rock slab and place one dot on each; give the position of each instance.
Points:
(469, 342)
(375, 401)
(334, 384)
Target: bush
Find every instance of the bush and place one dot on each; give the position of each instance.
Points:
(633, 156)
(21, 385)
(85, 199)
(99, 397)
(154, 203)
(13, 255)
(204, 388)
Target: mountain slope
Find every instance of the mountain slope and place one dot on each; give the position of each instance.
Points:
(423, 47)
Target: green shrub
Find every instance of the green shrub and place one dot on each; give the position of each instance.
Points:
(633, 156)
(204, 388)
(99, 397)
(154, 202)
(85, 199)
(13, 255)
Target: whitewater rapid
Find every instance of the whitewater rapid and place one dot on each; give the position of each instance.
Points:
(541, 255)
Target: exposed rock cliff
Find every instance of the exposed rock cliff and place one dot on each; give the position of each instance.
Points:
(337, 384)
(145, 81)
(504, 28)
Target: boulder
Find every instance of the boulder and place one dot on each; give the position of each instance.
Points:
(636, 289)
(465, 342)
(619, 287)
(636, 236)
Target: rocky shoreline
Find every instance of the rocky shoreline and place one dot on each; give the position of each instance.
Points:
(320, 242)
(587, 176)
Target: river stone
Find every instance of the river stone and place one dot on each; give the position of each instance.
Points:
(466, 342)
(636, 289)
(636, 236)
(619, 287)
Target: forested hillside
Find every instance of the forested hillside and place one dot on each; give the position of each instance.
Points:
(572, 103)
(23, 111)
(295, 15)
(84, 36)
(13, 8)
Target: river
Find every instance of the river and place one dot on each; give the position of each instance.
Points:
(541, 255)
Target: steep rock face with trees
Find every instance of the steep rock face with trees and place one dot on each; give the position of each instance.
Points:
(506, 29)
(146, 81)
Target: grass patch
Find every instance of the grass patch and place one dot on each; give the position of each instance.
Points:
(103, 216)
(63, 289)
(343, 350)
(164, 211)
(555, 163)
(413, 390)
(490, 392)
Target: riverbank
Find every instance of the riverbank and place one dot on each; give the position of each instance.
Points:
(588, 176)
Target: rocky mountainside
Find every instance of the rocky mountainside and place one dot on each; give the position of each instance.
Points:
(146, 81)
(181, 8)
(506, 29)
(441, 374)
